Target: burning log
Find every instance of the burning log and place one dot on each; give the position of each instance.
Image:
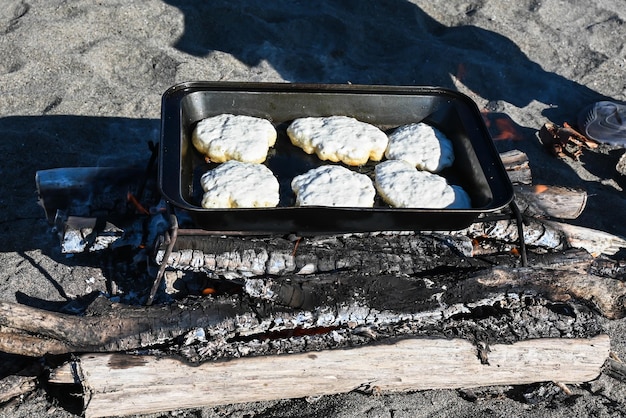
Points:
(407, 253)
(127, 384)
(369, 253)
(390, 305)
(549, 234)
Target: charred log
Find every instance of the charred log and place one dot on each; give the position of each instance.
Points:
(407, 253)
(381, 305)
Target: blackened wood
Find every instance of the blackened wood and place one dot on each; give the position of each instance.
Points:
(375, 253)
(548, 234)
(32, 331)
(340, 300)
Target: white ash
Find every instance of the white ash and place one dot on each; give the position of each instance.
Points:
(245, 264)
(280, 263)
(170, 278)
(251, 262)
(195, 335)
(260, 289)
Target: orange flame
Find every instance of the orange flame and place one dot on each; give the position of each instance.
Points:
(460, 72)
(502, 128)
(507, 130)
(138, 206)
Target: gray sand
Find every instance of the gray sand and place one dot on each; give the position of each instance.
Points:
(81, 83)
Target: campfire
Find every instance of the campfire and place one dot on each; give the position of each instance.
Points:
(514, 298)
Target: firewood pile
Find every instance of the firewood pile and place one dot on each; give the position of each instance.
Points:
(250, 318)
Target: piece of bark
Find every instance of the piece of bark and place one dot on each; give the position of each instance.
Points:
(125, 385)
(565, 141)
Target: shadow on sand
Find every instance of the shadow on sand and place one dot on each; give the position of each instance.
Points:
(374, 42)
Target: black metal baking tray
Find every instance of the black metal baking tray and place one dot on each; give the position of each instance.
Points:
(477, 168)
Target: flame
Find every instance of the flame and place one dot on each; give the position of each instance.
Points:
(138, 206)
(540, 188)
(507, 130)
(295, 246)
(460, 72)
(501, 127)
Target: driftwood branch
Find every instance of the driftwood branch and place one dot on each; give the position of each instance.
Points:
(608, 296)
(125, 385)
(35, 332)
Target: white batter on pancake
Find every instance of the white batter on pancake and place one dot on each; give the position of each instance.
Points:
(234, 137)
(235, 184)
(423, 146)
(338, 138)
(333, 185)
(402, 185)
